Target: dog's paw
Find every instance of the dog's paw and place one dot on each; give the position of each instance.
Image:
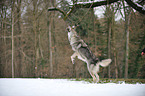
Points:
(73, 61)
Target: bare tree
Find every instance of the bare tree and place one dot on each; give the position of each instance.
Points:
(13, 40)
(95, 4)
(127, 12)
(109, 25)
(50, 46)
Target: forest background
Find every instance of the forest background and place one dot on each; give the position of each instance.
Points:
(34, 42)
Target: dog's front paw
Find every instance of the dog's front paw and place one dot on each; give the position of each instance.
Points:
(73, 61)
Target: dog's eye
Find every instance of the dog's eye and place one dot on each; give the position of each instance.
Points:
(68, 29)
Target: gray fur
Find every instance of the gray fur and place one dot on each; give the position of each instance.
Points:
(84, 53)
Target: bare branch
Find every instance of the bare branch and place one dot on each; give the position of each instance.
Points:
(95, 4)
(135, 6)
(57, 9)
(69, 12)
(26, 55)
(82, 5)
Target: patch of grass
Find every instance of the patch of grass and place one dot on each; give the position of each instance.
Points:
(106, 80)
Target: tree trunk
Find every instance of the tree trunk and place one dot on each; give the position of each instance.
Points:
(18, 40)
(127, 13)
(115, 62)
(109, 48)
(1, 44)
(127, 45)
(109, 20)
(50, 48)
(114, 40)
(12, 43)
(74, 70)
(35, 30)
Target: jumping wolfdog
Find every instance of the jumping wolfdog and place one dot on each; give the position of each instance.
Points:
(83, 53)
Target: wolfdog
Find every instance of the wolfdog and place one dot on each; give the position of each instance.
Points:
(83, 53)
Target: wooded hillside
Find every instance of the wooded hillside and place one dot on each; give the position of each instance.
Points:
(34, 42)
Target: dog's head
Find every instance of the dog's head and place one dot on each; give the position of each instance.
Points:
(71, 29)
(71, 32)
(68, 29)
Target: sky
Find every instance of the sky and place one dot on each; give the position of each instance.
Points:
(101, 9)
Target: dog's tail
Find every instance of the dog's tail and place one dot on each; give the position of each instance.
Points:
(105, 62)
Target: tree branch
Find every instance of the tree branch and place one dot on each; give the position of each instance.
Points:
(133, 5)
(69, 12)
(57, 9)
(95, 4)
(82, 5)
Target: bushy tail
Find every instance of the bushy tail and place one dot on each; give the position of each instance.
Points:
(105, 62)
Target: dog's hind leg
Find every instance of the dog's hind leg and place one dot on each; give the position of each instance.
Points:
(73, 57)
(90, 69)
(94, 78)
(97, 76)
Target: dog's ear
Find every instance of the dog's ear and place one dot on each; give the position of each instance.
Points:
(74, 27)
(105, 62)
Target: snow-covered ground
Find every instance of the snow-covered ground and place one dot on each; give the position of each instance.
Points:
(64, 87)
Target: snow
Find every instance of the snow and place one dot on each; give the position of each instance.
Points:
(90, 2)
(64, 87)
(143, 7)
